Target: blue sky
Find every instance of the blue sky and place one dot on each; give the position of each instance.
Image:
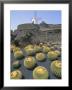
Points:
(24, 16)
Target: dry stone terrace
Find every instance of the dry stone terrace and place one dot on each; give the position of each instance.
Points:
(39, 33)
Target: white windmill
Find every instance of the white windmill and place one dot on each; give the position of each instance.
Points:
(35, 19)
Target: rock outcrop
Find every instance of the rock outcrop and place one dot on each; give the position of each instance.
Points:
(33, 33)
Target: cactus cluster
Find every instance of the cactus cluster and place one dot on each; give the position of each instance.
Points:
(32, 49)
(34, 55)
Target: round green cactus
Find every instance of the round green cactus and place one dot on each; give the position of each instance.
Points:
(18, 55)
(16, 49)
(56, 68)
(16, 64)
(16, 74)
(29, 62)
(40, 72)
(52, 55)
(40, 56)
(46, 49)
(29, 49)
(37, 48)
(28, 46)
(57, 52)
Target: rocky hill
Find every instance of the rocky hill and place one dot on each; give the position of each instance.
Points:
(35, 33)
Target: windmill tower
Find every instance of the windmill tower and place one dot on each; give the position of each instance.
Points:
(34, 19)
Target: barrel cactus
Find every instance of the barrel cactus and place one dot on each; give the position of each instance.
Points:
(46, 49)
(16, 64)
(29, 49)
(16, 74)
(52, 55)
(40, 56)
(40, 72)
(28, 46)
(57, 52)
(37, 48)
(29, 62)
(56, 68)
(16, 49)
(18, 55)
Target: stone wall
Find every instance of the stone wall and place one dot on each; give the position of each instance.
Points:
(39, 35)
(47, 36)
